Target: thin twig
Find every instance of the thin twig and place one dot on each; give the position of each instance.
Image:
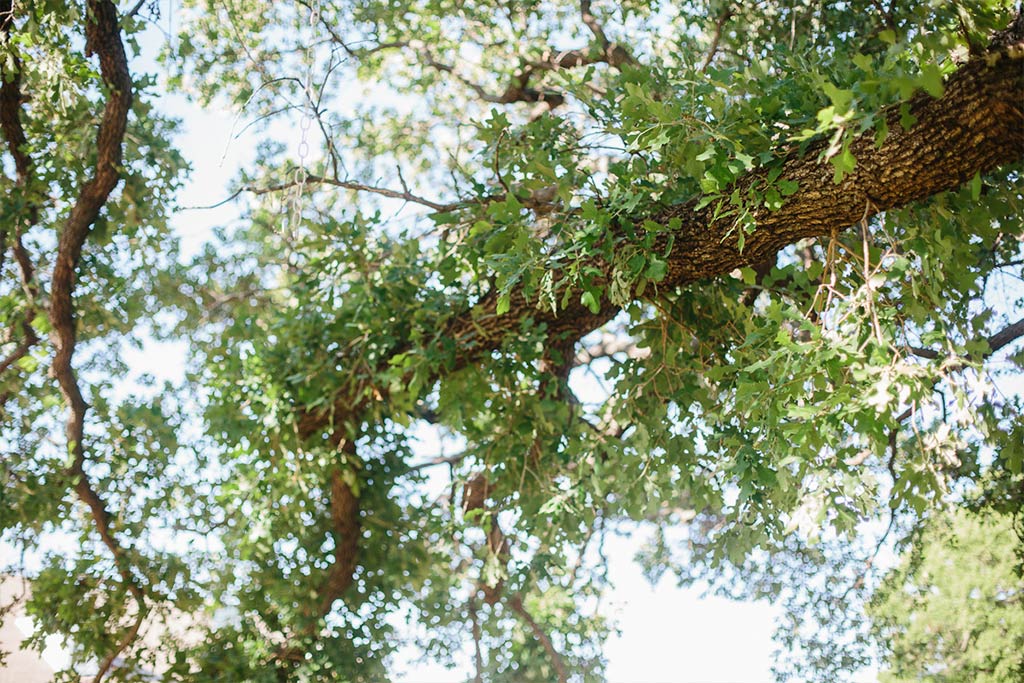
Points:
(320, 180)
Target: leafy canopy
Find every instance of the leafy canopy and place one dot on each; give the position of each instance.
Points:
(507, 276)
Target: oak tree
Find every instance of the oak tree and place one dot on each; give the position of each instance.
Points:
(506, 275)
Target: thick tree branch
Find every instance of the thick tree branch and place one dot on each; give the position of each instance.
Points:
(590, 21)
(975, 127)
(1006, 336)
(10, 102)
(475, 495)
(102, 38)
(345, 529)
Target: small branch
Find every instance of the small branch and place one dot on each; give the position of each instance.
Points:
(122, 644)
(716, 37)
(421, 411)
(518, 90)
(886, 14)
(136, 9)
(384, 192)
(995, 342)
(345, 184)
(516, 603)
(440, 460)
(14, 135)
(584, 545)
(762, 269)
(591, 23)
(28, 271)
(21, 350)
(870, 561)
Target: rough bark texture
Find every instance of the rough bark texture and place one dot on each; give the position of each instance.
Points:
(345, 527)
(103, 39)
(975, 127)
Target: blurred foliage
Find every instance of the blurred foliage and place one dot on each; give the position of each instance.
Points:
(951, 611)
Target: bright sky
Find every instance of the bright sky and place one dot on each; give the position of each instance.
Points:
(667, 634)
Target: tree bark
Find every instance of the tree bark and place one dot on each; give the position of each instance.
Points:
(976, 127)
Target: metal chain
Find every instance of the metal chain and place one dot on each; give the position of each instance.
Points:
(308, 112)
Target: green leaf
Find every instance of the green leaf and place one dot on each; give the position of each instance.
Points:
(504, 301)
(931, 80)
(656, 269)
(844, 163)
(590, 301)
(841, 98)
(863, 62)
(788, 187)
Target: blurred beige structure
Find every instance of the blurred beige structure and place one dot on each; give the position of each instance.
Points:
(19, 666)
(31, 666)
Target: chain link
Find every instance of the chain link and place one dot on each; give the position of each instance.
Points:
(305, 123)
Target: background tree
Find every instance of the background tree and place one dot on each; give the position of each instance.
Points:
(941, 622)
(784, 241)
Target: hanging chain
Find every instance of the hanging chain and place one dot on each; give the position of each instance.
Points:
(305, 123)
